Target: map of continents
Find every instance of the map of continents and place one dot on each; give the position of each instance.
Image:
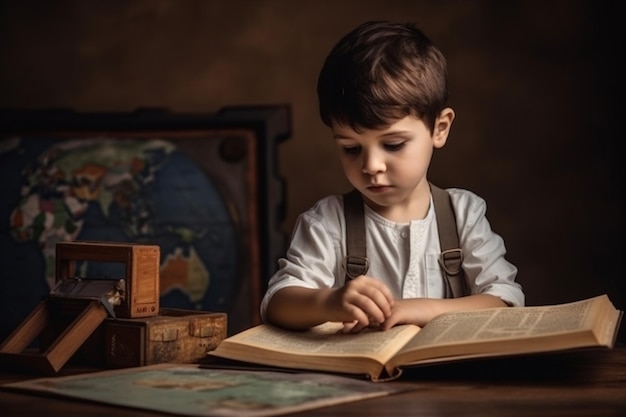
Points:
(143, 191)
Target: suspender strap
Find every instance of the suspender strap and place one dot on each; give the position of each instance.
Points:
(451, 256)
(356, 262)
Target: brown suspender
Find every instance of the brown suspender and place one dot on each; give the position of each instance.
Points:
(451, 258)
(356, 261)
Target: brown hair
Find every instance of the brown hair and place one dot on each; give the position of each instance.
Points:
(381, 72)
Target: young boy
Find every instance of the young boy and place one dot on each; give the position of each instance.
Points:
(383, 93)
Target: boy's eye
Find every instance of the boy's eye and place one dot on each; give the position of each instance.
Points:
(351, 150)
(394, 146)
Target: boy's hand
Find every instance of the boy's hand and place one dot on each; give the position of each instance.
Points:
(417, 311)
(361, 302)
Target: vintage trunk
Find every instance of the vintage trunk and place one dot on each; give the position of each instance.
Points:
(174, 336)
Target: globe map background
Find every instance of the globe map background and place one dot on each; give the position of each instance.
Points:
(156, 195)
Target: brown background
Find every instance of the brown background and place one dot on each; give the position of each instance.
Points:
(535, 85)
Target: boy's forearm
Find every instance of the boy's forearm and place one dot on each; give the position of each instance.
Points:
(298, 308)
(470, 302)
(420, 311)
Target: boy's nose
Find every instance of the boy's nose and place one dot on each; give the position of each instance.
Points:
(373, 163)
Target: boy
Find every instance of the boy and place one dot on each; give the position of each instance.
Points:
(383, 93)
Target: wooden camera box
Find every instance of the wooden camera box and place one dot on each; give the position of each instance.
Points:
(75, 309)
(139, 296)
(174, 336)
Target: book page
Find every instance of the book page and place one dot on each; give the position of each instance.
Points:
(513, 329)
(327, 340)
(504, 323)
(322, 348)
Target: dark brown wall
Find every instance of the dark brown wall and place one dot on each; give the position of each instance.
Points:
(534, 83)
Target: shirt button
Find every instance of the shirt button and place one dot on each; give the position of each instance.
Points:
(403, 234)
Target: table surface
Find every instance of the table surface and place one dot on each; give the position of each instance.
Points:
(582, 383)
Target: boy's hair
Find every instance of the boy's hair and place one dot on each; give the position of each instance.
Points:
(381, 72)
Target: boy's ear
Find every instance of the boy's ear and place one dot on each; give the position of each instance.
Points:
(442, 127)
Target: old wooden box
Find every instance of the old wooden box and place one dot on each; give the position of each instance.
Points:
(140, 270)
(174, 336)
(70, 316)
(62, 325)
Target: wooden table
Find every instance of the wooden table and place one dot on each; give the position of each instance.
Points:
(585, 384)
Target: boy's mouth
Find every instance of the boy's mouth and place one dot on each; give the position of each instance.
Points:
(378, 188)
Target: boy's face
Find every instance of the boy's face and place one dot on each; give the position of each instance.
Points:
(389, 165)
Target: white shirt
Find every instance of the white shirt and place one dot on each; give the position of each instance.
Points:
(405, 256)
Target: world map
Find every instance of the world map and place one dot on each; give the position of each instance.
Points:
(118, 190)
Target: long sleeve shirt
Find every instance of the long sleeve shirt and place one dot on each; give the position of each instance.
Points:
(405, 256)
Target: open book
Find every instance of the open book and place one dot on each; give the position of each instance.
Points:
(381, 355)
